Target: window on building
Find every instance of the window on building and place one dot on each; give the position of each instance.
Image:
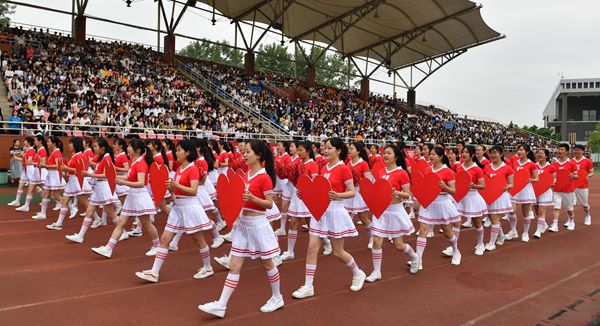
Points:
(597, 84)
(568, 85)
(579, 85)
(573, 85)
(589, 115)
(585, 85)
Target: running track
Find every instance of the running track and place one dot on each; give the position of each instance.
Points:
(46, 280)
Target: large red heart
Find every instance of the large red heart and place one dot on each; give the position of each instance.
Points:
(420, 166)
(111, 176)
(79, 168)
(494, 188)
(410, 162)
(230, 191)
(425, 188)
(581, 179)
(545, 182)
(240, 172)
(521, 179)
(231, 172)
(59, 163)
(377, 169)
(563, 179)
(462, 184)
(377, 196)
(315, 194)
(158, 176)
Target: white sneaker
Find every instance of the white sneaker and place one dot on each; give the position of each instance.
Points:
(103, 251)
(134, 233)
(217, 242)
(448, 251)
(227, 237)
(173, 247)
(147, 276)
(467, 224)
(373, 277)
(588, 220)
(223, 261)
(54, 226)
(567, 223)
(500, 241)
(370, 244)
(456, 259)
(479, 250)
(537, 234)
(440, 231)
(487, 223)
(571, 226)
(287, 255)
(124, 236)
(82, 214)
(152, 251)
(272, 304)
(57, 207)
(411, 215)
(39, 216)
(277, 261)
(204, 272)
(490, 247)
(525, 237)
(14, 203)
(98, 223)
(415, 266)
(72, 212)
(430, 234)
(505, 217)
(553, 228)
(305, 226)
(511, 235)
(280, 232)
(74, 237)
(22, 208)
(327, 250)
(213, 308)
(304, 292)
(221, 225)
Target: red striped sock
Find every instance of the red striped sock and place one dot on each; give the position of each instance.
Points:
(19, 194)
(274, 280)
(526, 225)
(205, 254)
(111, 244)
(409, 251)
(421, 244)
(351, 264)
(45, 203)
(309, 274)
(87, 222)
(291, 240)
(61, 215)
(541, 223)
(513, 222)
(159, 259)
(377, 257)
(28, 200)
(231, 283)
(454, 243)
(479, 231)
(156, 242)
(214, 230)
(456, 232)
(494, 232)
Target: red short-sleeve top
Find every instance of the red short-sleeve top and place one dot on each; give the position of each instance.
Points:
(397, 177)
(338, 175)
(474, 171)
(185, 177)
(260, 185)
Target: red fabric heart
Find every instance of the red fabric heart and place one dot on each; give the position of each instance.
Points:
(420, 166)
(462, 184)
(315, 194)
(521, 179)
(545, 182)
(240, 172)
(562, 179)
(79, 168)
(158, 176)
(59, 164)
(425, 188)
(494, 188)
(230, 191)
(581, 178)
(377, 196)
(410, 162)
(230, 172)
(377, 169)
(111, 175)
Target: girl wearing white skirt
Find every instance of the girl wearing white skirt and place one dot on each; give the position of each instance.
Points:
(282, 160)
(287, 188)
(35, 175)
(223, 157)
(72, 188)
(54, 184)
(137, 201)
(187, 215)
(441, 211)
(122, 168)
(101, 195)
(22, 161)
(497, 168)
(252, 235)
(335, 223)
(214, 174)
(394, 223)
(160, 156)
(525, 197)
(359, 165)
(547, 198)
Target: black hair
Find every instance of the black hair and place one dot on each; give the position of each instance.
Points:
(213, 144)
(138, 144)
(401, 145)
(440, 152)
(29, 141)
(308, 147)
(204, 149)
(43, 140)
(261, 149)
(362, 151)
(170, 146)
(442, 145)
(399, 153)
(471, 150)
(102, 143)
(316, 144)
(484, 153)
(295, 142)
(462, 142)
(565, 146)
(77, 144)
(285, 144)
(121, 142)
(579, 146)
(527, 148)
(188, 146)
(453, 150)
(429, 146)
(499, 149)
(338, 144)
(57, 142)
(546, 152)
(160, 148)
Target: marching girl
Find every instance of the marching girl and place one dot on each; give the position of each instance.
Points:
(440, 212)
(482, 157)
(426, 156)
(137, 201)
(282, 160)
(374, 156)
(28, 151)
(223, 157)
(564, 196)
(214, 174)
(359, 165)
(453, 154)
(288, 189)
(72, 189)
(546, 199)
(204, 153)
(525, 197)
(335, 223)
(122, 168)
(252, 235)
(187, 215)
(54, 184)
(35, 175)
(582, 192)
(394, 222)
(316, 148)
(160, 156)
(101, 195)
(502, 205)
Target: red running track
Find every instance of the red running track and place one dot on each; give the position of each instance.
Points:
(46, 280)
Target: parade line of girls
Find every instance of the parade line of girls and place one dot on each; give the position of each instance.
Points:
(192, 206)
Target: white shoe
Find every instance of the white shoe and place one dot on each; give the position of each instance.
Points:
(227, 237)
(204, 272)
(327, 250)
(487, 223)
(553, 228)
(304, 292)
(511, 235)
(14, 203)
(74, 237)
(537, 234)
(525, 237)
(415, 265)
(217, 242)
(411, 215)
(72, 212)
(490, 247)
(567, 223)
(103, 251)
(505, 217)
(152, 251)
(500, 241)
(134, 233)
(272, 304)
(456, 259)
(448, 251)
(213, 308)
(98, 223)
(147, 276)
(22, 208)
(588, 220)
(479, 250)
(221, 225)
(373, 277)
(277, 261)
(124, 236)
(571, 226)
(305, 226)
(430, 234)
(287, 255)
(467, 224)
(280, 232)
(223, 261)
(57, 207)
(370, 244)
(54, 226)
(39, 217)
(440, 231)
(82, 214)
(173, 247)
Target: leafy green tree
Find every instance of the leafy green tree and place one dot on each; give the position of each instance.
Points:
(219, 52)
(6, 10)
(594, 140)
(276, 58)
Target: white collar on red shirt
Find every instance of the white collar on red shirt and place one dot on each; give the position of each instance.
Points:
(438, 170)
(309, 160)
(566, 161)
(331, 168)
(576, 160)
(495, 169)
(541, 167)
(261, 171)
(185, 168)
(395, 169)
(120, 154)
(466, 168)
(521, 164)
(156, 155)
(357, 162)
(483, 158)
(57, 149)
(138, 159)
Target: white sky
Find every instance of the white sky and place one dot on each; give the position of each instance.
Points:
(508, 80)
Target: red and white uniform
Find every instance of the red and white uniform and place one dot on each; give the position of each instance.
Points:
(53, 180)
(335, 222)
(472, 204)
(484, 161)
(375, 159)
(102, 195)
(38, 176)
(72, 188)
(27, 154)
(565, 196)
(138, 201)
(203, 195)
(357, 204)
(394, 222)
(454, 166)
(223, 158)
(281, 160)
(527, 195)
(442, 209)
(297, 207)
(502, 205)
(582, 192)
(120, 161)
(546, 199)
(290, 189)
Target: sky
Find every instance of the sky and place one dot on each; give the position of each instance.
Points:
(507, 80)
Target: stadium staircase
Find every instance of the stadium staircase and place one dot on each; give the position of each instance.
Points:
(5, 104)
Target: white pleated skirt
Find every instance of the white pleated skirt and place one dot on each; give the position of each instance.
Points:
(138, 203)
(54, 181)
(278, 189)
(273, 213)
(356, 204)
(73, 189)
(34, 176)
(335, 223)
(213, 176)
(502, 205)
(525, 196)
(210, 188)
(441, 211)
(253, 237)
(472, 205)
(101, 194)
(545, 199)
(393, 223)
(204, 199)
(24, 178)
(288, 191)
(297, 207)
(187, 216)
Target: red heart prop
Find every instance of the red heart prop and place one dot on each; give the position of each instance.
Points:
(230, 173)
(240, 172)
(494, 188)
(79, 168)
(377, 196)
(377, 169)
(230, 190)
(315, 194)
(158, 176)
(581, 179)
(410, 162)
(545, 182)
(521, 179)
(562, 179)
(420, 166)
(425, 188)
(59, 163)
(111, 175)
(462, 184)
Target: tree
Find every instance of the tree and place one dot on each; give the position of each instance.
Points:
(543, 132)
(594, 140)
(6, 10)
(276, 58)
(219, 52)
(332, 69)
